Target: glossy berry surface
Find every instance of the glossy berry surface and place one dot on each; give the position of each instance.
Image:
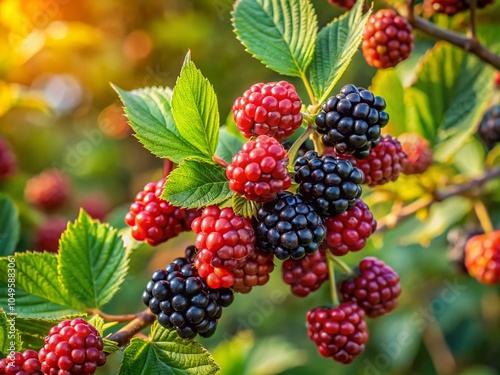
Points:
(48, 234)
(182, 300)
(330, 185)
(339, 333)
(385, 162)
(271, 109)
(224, 241)
(289, 227)
(17, 363)
(72, 347)
(482, 257)
(155, 220)
(259, 170)
(489, 128)
(255, 271)
(48, 191)
(349, 230)
(418, 152)
(351, 121)
(305, 275)
(375, 289)
(387, 39)
(8, 162)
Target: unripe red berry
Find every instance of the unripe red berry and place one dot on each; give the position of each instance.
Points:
(307, 274)
(418, 152)
(482, 257)
(48, 234)
(48, 191)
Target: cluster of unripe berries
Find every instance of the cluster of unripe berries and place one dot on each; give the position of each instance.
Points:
(72, 347)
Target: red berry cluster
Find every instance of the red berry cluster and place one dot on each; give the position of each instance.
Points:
(387, 39)
(339, 332)
(418, 152)
(271, 109)
(26, 363)
(48, 234)
(349, 230)
(307, 274)
(254, 272)
(346, 4)
(7, 160)
(72, 347)
(155, 220)
(224, 241)
(259, 170)
(482, 257)
(48, 191)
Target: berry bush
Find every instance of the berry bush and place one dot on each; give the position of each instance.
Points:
(333, 185)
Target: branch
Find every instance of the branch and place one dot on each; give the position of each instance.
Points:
(112, 318)
(124, 335)
(392, 219)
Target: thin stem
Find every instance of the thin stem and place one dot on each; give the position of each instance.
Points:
(483, 216)
(472, 27)
(438, 349)
(456, 39)
(167, 167)
(309, 90)
(295, 147)
(112, 318)
(348, 270)
(220, 161)
(124, 335)
(318, 145)
(333, 285)
(394, 218)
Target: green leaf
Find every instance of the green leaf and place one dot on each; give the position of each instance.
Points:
(166, 353)
(448, 98)
(9, 226)
(387, 84)
(150, 115)
(9, 334)
(36, 274)
(336, 45)
(194, 106)
(110, 346)
(228, 146)
(196, 183)
(244, 207)
(93, 261)
(280, 33)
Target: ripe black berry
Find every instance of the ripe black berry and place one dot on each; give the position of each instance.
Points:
(182, 300)
(489, 128)
(351, 121)
(330, 185)
(289, 227)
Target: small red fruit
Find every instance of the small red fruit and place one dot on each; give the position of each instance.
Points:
(307, 274)
(418, 151)
(48, 191)
(482, 257)
(48, 234)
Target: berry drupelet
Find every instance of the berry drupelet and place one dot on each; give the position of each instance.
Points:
(418, 152)
(307, 274)
(25, 363)
(254, 272)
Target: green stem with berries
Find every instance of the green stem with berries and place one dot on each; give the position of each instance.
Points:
(295, 147)
(333, 285)
(339, 262)
(125, 334)
(483, 216)
(309, 90)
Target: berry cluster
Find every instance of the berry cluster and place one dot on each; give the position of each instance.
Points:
(259, 170)
(452, 7)
(48, 191)
(224, 241)
(155, 220)
(489, 128)
(271, 109)
(346, 4)
(482, 257)
(307, 274)
(418, 153)
(182, 300)
(25, 363)
(72, 347)
(351, 121)
(330, 185)
(387, 39)
(254, 272)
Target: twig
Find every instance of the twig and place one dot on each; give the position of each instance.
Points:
(124, 335)
(472, 27)
(309, 89)
(167, 167)
(112, 318)
(483, 217)
(341, 264)
(333, 285)
(296, 145)
(438, 349)
(220, 161)
(393, 219)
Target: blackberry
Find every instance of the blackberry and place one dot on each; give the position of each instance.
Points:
(387, 39)
(489, 128)
(25, 363)
(259, 171)
(254, 272)
(375, 289)
(48, 191)
(271, 109)
(156, 220)
(340, 332)
(457, 239)
(182, 300)
(72, 347)
(330, 185)
(224, 241)
(482, 257)
(418, 152)
(190, 253)
(307, 274)
(351, 121)
(349, 230)
(47, 236)
(289, 227)
(8, 162)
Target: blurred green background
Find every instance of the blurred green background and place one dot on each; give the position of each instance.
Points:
(57, 109)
